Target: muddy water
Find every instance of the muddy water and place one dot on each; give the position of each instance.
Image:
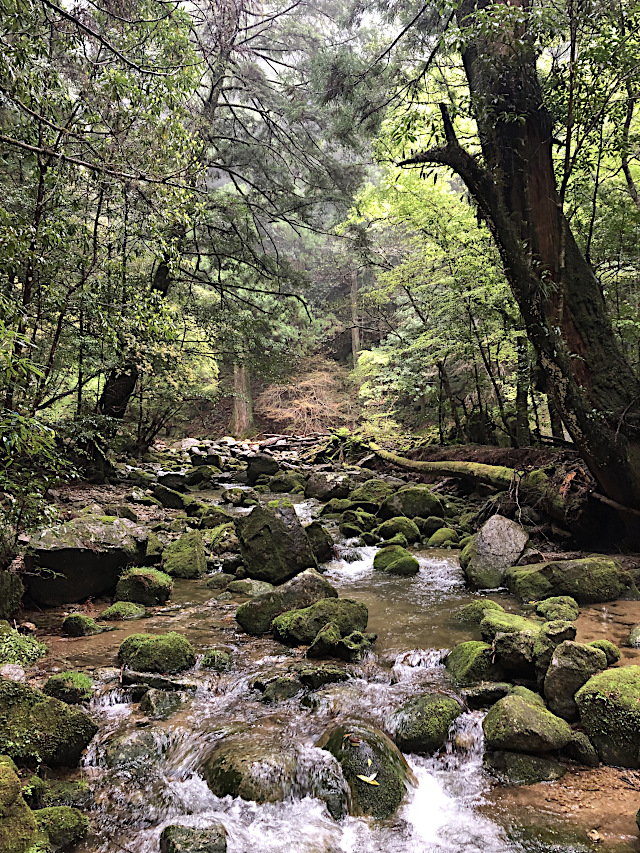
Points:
(454, 809)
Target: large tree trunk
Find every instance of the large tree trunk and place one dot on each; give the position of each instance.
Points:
(117, 391)
(590, 382)
(242, 417)
(355, 328)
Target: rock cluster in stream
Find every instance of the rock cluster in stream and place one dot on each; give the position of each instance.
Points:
(199, 510)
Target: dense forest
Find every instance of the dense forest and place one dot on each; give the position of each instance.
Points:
(382, 258)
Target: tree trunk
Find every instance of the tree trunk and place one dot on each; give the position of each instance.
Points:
(117, 391)
(242, 417)
(523, 436)
(557, 430)
(592, 385)
(355, 328)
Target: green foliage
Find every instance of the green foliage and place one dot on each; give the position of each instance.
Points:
(18, 648)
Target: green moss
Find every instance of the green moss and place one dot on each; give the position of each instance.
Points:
(17, 823)
(475, 611)
(517, 724)
(144, 586)
(471, 662)
(514, 768)
(123, 610)
(610, 649)
(185, 557)
(395, 560)
(558, 607)
(55, 792)
(404, 526)
(302, 626)
(364, 521)
(63, 825)
(18, 648)
(588, 580)
(609, 706)
(157, 653)
(216, 659)
(69, 687)
(497, 622)
(155, 548)
(443, 538)
(527, 695)
(423, 722)
(79, 625)
(372, 491)
(412, 501)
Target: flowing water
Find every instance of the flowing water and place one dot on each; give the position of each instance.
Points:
(146, 774)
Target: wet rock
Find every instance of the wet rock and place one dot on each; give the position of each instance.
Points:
(214, 516)
(240, 497)
(242, 766)
(558, 607)
(281, 687)
(423, 722)
(472, 661)
(444, 537)
(366, 755)
(428, 526)
(405, 526)
(581, 749)
(157, 653)
(572, 665)
(517, 725)
(61, 825)
(327, 485)
(248, 586)
(329, 643)
(609, 707)
(170, 498)
(79, 625)
(185, 557)
(217, 659)
(396, 560)
(309, 587)
(161, 704)
(514, 653)
(300, 627)
(69, 687)
(11, 592)
(487, 693)
(135, 751)
(261, 465)
(550, 636)
(222, 541)
(161, 682)
(315, 677)
(588, 581)
(173, 480)
(220, 580)
(610, 649)
(633, 639)
(336, 506)
(496, 621)
(372, 491)
(475, 611)
(273, 544)
(357, 520)
(412, 501)
(36, 728)
(122, 611)
(154, 550)
(287, 481)
(515, 768)
(320, 541)
(184, 839)
(497, 546)
(144, 586)
(87, 555)
(17, 823)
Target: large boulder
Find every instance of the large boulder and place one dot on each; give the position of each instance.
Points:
(261, 465)
(17, 823)
(300, 627)
(396, 560)
(273, 544)
(320, 541)
(558, 607)
(423, 722)
(472, 661)
(185, 557)
(326, 485)
(414, 502)
(519, 725)
(549, 637)
(497, 546)
(157, 653)
(588, 581)
(405, 526)
(516, 768)
(144, 586)
(372, 491)
(514, 653)
(375, 770)
(498, 622)
(572, 665)
(256, 616)
(185, 839)
(609, 707)
(82, 558)
(62, 826)
(35, 728)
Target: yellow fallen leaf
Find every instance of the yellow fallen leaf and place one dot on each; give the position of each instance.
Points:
(370, 780)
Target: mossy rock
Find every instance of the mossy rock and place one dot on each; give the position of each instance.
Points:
(349, 531)
(18, 648)
(217, 659)
(35, 728)
(423, 722)
(69, 687)
(214, 516)
(57, 792)
(412, 501)
(144, 586)
(516, 768)
(364, 521)
(155, 549)
(527, 694)
(315, 677)
(11, 592)
(184, 839)
(300, 627)
(472, 661)
(401, 525)
(329, 643)
(161, 704)
(321, 541)
(365, 753)
(373, 491)
(518, 725)
(486, 694)
(475, 611)
(17, 823)
(497, 622)
(185, 557)
(281, 688)
(445, 537)
(336, 506)
(123, 610)
(558, 607)
(550, 636)
(248, 586)
(220, 580)
(428, 526)
(572, 665)
(633, 640)
(589, 580)
(610, 649)
(242, 767)
(609, 707)
(396, 560)
(62, 825)
(581, 749)
(79, 625)
(157, 653)
(273, 544)
(398, 539)
(490, 552)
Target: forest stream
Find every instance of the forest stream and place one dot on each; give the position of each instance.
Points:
(144, 773)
